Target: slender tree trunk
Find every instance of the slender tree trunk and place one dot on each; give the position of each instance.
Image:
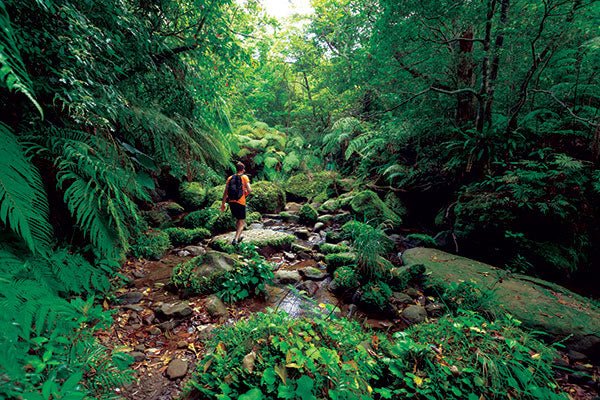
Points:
(485, 65)
(308, 93)
(465, 111)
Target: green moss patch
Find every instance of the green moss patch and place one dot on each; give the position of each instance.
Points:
(184, 236)
(266, 197)
(305, 187)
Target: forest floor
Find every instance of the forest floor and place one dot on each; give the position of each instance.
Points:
(166, 346)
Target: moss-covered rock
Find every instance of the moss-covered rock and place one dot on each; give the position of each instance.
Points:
(328, 248)
(156, 218)
(305, 187)
(253, 217)
(376, 296)
(152, 244)
(368, 207)
(345, 279)
(288, 216)
(193, 195)
(266, 197)
(395, 204)
(184, 236)
(201, 219)
(538, 304)
(307, 214)
(258, 237)
(336, 260)
(203, 274)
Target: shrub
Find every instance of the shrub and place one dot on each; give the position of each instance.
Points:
(376, 295)
(152, 244)
(305, 187)
(266, 197)
(252, 217)
(193, 194)
(274, 356)
(183, 236)
(186, 278)
(247, 279)
(467, 357)
(308, 214)
(201, 219)
(370, 244)
(345, 279)
(214, 194)
(225, 222)
(156, 218)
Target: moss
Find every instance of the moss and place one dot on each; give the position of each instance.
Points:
(201, 219)
(308, 214)
(152, 244)
(304, 187)
(395, 204)
(156, 218)
(368, 207)
(183, 236)
(266, 197)
(328, 248)
(253, 217)
(288, 217)
(225, 222)
(203, 274)
(403, 277)
(193, 194)
(422, 239)
(337, 260)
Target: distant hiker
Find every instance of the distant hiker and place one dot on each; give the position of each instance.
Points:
(237, 188)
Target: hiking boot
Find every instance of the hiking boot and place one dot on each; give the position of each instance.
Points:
(234, 242)
(240, 239)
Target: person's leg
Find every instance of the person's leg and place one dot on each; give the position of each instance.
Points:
(239, 229)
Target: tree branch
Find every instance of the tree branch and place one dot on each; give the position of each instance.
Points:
(566, 107)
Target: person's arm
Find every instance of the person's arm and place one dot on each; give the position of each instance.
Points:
(224, 197)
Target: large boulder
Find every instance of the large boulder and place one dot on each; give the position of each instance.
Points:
(204, 274)
(538, 304)
(266, 197)
(305, 187)
(365, 206)
(257, 237)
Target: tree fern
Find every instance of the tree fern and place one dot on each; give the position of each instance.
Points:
(23, 202)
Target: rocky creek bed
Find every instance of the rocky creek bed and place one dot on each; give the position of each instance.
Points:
(165, 333)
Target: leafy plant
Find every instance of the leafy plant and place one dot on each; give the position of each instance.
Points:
(183, 236)
(370, 244)
(376, 295)
(345, 278)
(151, 244)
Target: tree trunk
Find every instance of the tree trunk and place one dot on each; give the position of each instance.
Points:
(465, 111)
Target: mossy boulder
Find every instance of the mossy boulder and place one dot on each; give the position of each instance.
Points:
(365, 206)
(193, 195)
(538, 304)
(395, 204)
(266, 197)
(156, 218)
(305, 186)
(258, 237)
(201, 219)
(204, 274)
(336, 260)
(308, 214)
(184, 236)
(329, 248)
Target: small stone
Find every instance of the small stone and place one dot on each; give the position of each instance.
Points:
(342, 218)
(177, 369)
(310, 287)
(298, 247)
(215, 307)
(134, 307)
(576, 356)
(155, 330)
(139, 347)
(318, 226)
(256, 225)
(168, 325)
(289, 255)
(412, 292)
(402, 298)
(434, 309)
(293, 207)
(205, 332)
(325, 218)
(313, 273)
(137, 356)
(195, 250)
(182, 344)
(284, 277)
(302, 233)
(183, 253)
(174, 310)
(414, 314)
(130, 298)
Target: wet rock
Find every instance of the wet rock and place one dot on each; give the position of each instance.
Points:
(302, 233)
(285, 277)
(351, 310)
(333, 286)
(310, 287)
(414, 314)
(182, 344)
(215, 307)
(134, 307)
(258, 237)
(288, 217)
(412, 292)
(342, 218)
(289, 256)
(256, 225)
(177, 369)
(274, 293)
(325, 218)
(183, 253)
(130, 298)
(195, 250)
(402, 298)
(434, 309)
(575, 356)
(318, 226)
(174, 310)
(319, 257)
(313, 273)
(298, 247)
(137, 356)
(293, 207)
(205, 332)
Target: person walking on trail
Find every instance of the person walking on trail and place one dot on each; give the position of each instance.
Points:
(237, 189)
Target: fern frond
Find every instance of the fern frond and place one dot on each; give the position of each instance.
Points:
(23, 202)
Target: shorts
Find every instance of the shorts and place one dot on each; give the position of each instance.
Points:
(238, 210)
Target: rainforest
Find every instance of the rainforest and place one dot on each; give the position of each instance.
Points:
(421, 220)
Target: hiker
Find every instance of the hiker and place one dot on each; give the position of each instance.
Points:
(237, 189)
